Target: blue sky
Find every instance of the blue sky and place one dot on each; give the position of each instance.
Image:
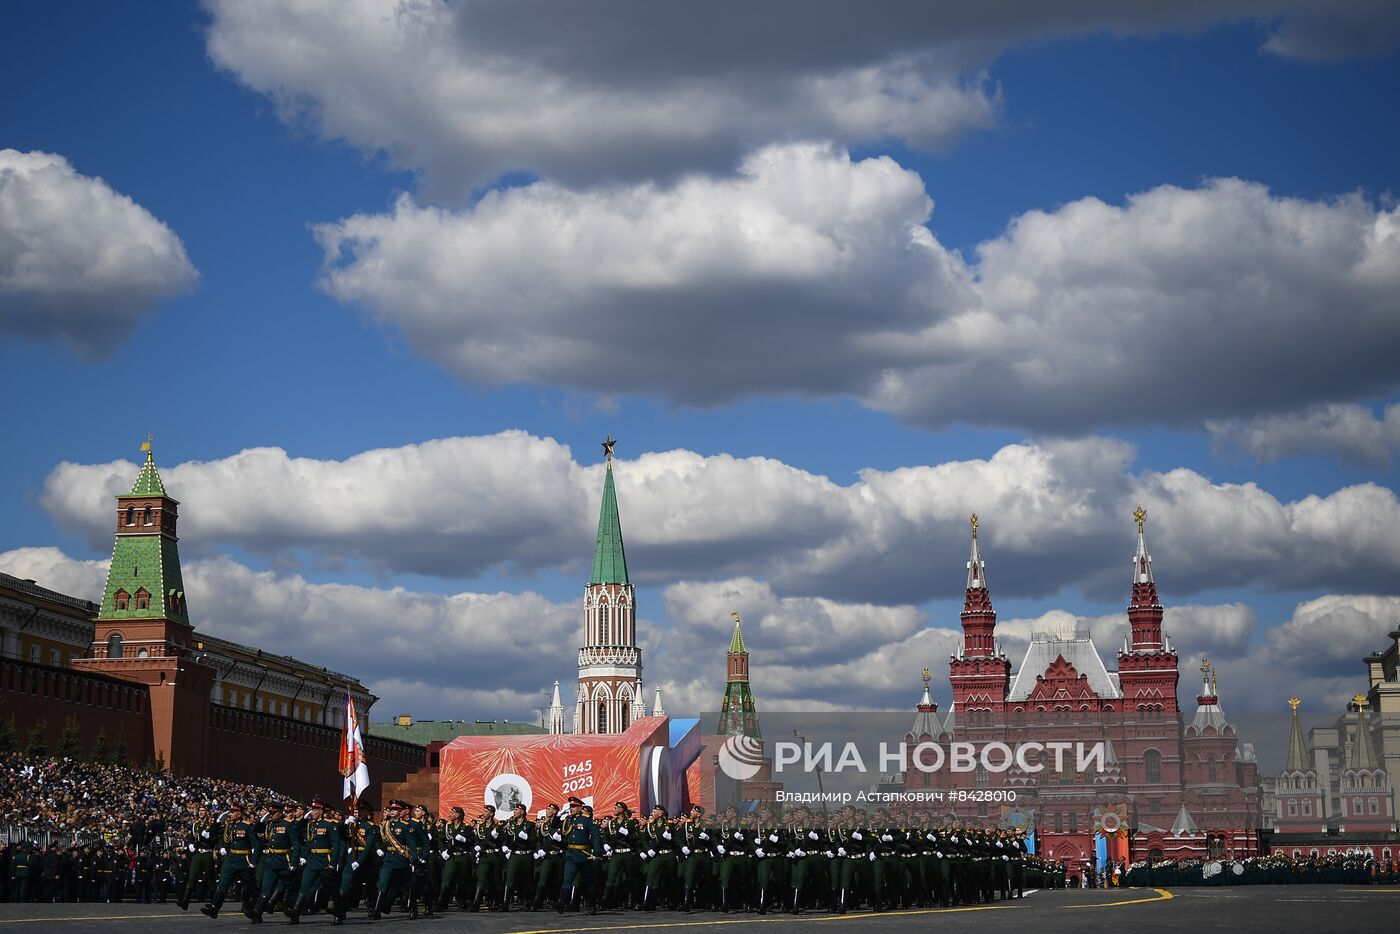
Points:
(261, 351)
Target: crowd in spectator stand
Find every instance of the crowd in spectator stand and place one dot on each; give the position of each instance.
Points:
(83, 831)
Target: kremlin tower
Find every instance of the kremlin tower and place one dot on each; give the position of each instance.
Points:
(609, 662)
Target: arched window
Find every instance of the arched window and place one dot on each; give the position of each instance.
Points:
(1152, 759)
(147, 516)
(1307, 807)
(626, 716)
(602, 716)
(121, 600)
(143, 599)
(131, 515)
(1210, 770)
(114, 646)
(1373, 806)
(1292, 808)
(1356, 806)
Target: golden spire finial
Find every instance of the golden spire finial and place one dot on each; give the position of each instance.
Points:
(146, 446)
(735, 616)
(1205, 664)
(928, 676)
(974, 525)
(1360, 701)
(1140, 515)
(608, 448)
(1294, 703)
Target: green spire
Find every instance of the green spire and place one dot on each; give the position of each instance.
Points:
(736, 644)
(609, 560)
(148, 480)
(144, 579)
(737, 713)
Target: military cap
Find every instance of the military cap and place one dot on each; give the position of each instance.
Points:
(572, 802)
(318, 803)
(458, 811)
(552, 806)
(395, 804)
(236, 807)
(491, 808)
(274, 806)
(588, 809)
(698, 807)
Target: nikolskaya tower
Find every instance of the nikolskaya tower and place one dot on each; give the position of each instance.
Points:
(609, 662)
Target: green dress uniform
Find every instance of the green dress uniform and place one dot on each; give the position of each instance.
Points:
(582, 843)
(242, 847)
(696, 862)
(398, 854)
(522, 839)
(549, 859)
(771, 847)
(322, 852)
(661, 845)
(458, 866)
(21, 867)
(357, 866)
(281, 851)
(490, 863)
(205, 840)
(808, 863)
(623, 842)
(427, 870)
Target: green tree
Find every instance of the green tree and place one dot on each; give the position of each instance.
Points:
(100, 752)
(68, 743)
(119, 753)
(7, 734)
(38, 745)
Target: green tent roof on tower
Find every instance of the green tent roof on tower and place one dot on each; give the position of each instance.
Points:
(148, 480)
(609, 560)
(736, 644)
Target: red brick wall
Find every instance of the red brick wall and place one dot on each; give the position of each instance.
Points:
(33, 692)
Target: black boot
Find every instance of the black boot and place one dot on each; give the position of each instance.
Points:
(796, 894)
(763, 901)
(183, 902)
(841, 903)
(723, 901)
(211, 910)
(254, 912)
(685, 899)
(505, 899)
(379, 906)
(476, 899)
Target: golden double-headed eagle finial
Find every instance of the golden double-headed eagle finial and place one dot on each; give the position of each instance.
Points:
(928, 676)
(1360, 701)
(974, 525)
(1140, 515)
(1294, 703)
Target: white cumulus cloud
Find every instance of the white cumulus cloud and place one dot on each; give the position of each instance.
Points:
(1348, 431)
(79, 262)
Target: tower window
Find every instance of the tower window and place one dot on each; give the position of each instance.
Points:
(602, 717)
(1152, 759)
(121, 599)
(147, 516)
(143, 599)
(114, 645)
(131, 515)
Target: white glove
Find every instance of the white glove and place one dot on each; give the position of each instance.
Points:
(720, 849)
(840, 851)
(928, 836)
(704, 836)
(772, 838)
(505, 851)
(555, 836)
(379, 853)
(354, 865)
(651, 852)
(1004, 856)
(349, 820)
(887, 838)
(223, 851)
(522, 835)
(666, 834)
(204, 834)
(446, 855)
(622, 830)
(494, 835)
(191, 847)
(938, 853)
(954, 838)
(643, 854)
(801, 853)
(1000, 844)
(685, 851)
(855, 835)
(738, 835)
(872, 857)
(460, 839)
(759, 852)
(302, 861)
(607, 847)
(829, 854)
(811, 835)
(539, 854)
(477, 848)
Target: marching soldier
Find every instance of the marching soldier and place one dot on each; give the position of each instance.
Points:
(458, 867)
(697, 862)
(549, 865)
(241, 850)
(769, 858)
(280, 851)
(581, 845)
(398, 853)
(489, 861)
(361, 837)
(523, 840)
(320, 859)
(205, 840)
(623, 844)
(427, 873)
(659, 834)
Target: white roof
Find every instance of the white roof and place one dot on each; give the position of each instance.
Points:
(1184, 824)
(1078, 649)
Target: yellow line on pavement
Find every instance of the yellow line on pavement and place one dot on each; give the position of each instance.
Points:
(1162, 896)
(776, 918)
(93, 918)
